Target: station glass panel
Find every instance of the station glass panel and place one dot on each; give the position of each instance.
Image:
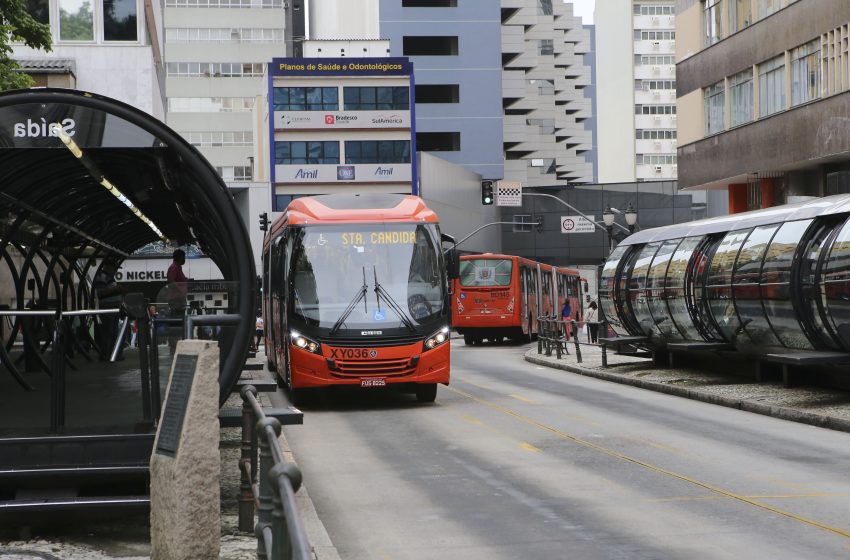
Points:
(776, 284)
(676, 300)
(746, 290)
(656, 284)
(608, 291)
(836, 285)
(719, 287)
(811, 288)
(637, 288)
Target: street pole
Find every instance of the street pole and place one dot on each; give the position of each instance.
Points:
(577, 211)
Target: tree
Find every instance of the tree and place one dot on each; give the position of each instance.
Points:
(17, 25)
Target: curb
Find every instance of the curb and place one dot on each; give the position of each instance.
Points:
(784, 413)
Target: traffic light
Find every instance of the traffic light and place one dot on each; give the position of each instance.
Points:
(539, 224)
(486, 192)
(264, 221)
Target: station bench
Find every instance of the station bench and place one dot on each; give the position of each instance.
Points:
(693, 346)
(800, 359)
(618, 342)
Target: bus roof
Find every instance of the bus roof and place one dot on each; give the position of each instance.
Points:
(354, 208)
(561, 269)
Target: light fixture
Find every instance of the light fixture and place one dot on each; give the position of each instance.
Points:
(78, 153)
(608, 217)
(631, 216)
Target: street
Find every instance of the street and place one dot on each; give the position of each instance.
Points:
(519, 461)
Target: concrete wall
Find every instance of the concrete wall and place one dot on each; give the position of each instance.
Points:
(477, 69)
(454, 193)
(344, 19)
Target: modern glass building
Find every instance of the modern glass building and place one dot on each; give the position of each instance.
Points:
(766, 281)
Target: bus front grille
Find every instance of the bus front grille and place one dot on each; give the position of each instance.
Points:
(379, 368)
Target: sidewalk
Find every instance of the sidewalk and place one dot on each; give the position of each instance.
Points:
(826, 408)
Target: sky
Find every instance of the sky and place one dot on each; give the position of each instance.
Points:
(583, 8)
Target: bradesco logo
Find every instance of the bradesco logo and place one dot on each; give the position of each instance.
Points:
(340, 119)
(42, 128)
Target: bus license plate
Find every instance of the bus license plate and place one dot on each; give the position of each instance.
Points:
(374, 382)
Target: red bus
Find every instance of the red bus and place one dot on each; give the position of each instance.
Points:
(498, 296)
(356, 292)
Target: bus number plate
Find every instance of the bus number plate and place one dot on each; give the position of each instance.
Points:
(373, 382)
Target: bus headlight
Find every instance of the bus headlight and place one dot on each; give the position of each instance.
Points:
(436, 339)
(300, 341)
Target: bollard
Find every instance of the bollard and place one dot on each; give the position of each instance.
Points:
(575, 339)
(246, 494)
(539, 336)
(604, 328)
(557, 336)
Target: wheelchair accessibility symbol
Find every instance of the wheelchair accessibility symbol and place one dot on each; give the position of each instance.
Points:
(379, 315)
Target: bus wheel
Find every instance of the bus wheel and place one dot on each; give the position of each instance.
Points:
(426, 393)
(467, 339)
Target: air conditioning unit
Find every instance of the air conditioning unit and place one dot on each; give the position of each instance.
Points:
(657, 118)
(658, 169)
(654, 19)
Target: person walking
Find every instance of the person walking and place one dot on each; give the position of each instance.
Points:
(259, 331)
(566, 311)
(176, 291)
(591, 318)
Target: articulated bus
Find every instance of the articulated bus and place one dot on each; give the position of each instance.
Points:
(356, 292)
(498, 296)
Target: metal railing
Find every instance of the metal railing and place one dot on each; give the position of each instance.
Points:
(270, 490)
(552, 335)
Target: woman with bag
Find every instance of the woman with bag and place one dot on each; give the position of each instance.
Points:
(591, 316)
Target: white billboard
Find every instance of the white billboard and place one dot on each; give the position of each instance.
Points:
(331, 120)
(360, 173)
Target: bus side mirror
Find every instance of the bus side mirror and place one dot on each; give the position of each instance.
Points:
(452, 264)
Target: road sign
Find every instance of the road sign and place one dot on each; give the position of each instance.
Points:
(508, 193)
(577, 224)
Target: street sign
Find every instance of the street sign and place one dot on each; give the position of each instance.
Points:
(577, 224)
(508, 193)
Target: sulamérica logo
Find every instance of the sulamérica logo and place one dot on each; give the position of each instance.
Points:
(42, 128)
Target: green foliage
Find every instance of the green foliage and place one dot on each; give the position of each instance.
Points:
(17, 25)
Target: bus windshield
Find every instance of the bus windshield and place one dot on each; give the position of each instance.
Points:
(485, 272)
(368, 276)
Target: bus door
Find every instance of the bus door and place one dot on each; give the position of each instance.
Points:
(523, 286)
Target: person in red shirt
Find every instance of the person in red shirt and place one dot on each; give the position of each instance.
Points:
(177, 283)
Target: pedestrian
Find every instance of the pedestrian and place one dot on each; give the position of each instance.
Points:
(566, 311)
(134, 333)
(176, 291)
(259, 331)
(109, 296)
(591, 319)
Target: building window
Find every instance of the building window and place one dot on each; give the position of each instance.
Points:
(772, 86)
(655, 109)
(377, 151)
(76, 20)
(429, 3)
(739, 15)
(448, 93)
(712, 22)
(306, 99)
(522, 223)
(546, 126)
(714, 103)
(236, 173)
(312, 152)
(429, 46)
(741, 97)
(223, 3)
(767, 7)
(656, 134)
(805, 73)
(546, 46)
(656, 35)
(655, 159)
(223, 35)
(39, 10)
(647, 85)
(438, 141)
(644, 10)
(545, 165)
(119, 20)
(210, 104)
(376, 98)
(220, 138)
(214, 69)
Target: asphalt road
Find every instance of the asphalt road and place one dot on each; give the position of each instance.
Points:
(519, 461)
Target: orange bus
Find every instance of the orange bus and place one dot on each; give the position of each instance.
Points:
(356, 292)
(499, 296)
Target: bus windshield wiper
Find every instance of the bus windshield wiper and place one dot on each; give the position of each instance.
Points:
(361, 294)
(379, 290)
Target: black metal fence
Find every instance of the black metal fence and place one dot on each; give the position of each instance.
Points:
(554, 333)
(270, 489)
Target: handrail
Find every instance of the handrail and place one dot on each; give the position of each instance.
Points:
(552, 335)
(55, 312)
(279, 527)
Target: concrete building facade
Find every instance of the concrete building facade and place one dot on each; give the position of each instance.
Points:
(764, 99)
(636, 46)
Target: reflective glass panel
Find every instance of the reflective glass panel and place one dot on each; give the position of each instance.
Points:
(719, 292)
(76, 20)
(119, 20)
(836, 285)
(675, 292)
(776, 284)
(637, 288)
(746, 287)
(656, 284)
(607, 292)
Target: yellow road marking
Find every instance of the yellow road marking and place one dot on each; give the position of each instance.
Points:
(654, 468)
(529, 447)
(754, 497)
(523, 399)
(472, 420)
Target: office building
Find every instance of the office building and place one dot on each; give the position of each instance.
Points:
(636, 90)
(763, 99)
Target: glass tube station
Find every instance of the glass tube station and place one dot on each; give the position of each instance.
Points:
(769, 281)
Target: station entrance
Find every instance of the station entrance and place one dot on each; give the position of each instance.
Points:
(86, 181)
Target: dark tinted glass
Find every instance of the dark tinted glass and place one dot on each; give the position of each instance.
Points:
(119, 20)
